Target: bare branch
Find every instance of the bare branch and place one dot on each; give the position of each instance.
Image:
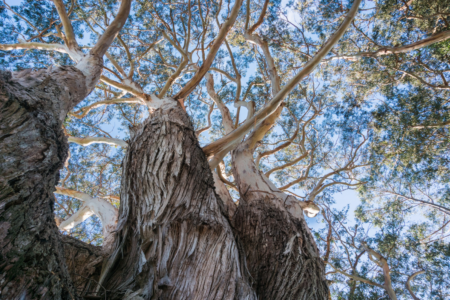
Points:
(408, 283)
(435, 38)
(226, 141)
(85, 110)
(113, 29)
(37, 46)
(260, 19)
(190, 86)
(382, 262)
(97, 140)
(70, 39)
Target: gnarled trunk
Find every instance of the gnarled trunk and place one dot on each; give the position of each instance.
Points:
(280, 251)
(32, 150)
(173, 241)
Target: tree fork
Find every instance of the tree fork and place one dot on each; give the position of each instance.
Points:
(282, 256)
(173, 240)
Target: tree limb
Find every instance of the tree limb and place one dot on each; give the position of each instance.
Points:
(97, 140)
(226, 141)
(190, 86)
(408, 283)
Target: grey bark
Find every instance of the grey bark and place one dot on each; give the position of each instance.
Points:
(173, 241)
(33, 149)
(174, 238)
(280, 251)
(84, 263)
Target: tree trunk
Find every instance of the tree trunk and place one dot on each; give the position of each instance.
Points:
(84, 263)
(32, 150)
(173, 241)
(281, 253)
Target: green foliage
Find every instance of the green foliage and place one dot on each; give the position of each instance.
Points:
(373, 123)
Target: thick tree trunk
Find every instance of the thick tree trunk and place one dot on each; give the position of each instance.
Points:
(32, 150)
(280, 251)
(173, 241)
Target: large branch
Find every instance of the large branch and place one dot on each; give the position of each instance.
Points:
(104, 210)
(198, 76)
(91, 65)
(37, 46)
(80, 216)
(408, 285)
(435, 38)
(97, 140)
(70, 40)
(113, 29)
(226, 141)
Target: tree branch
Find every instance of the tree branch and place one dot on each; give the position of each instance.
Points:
(97, 140)
(408, 283)
(37, 46)
(70, 39)
(435, 38)
(85, 110)
(113, 29)
(198, 76)
(228, 140)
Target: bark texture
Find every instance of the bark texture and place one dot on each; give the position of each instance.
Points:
(32, 150)
(84, 263)
(173, 241)
(280, 251)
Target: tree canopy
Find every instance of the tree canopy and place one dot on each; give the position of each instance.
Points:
(367, 112)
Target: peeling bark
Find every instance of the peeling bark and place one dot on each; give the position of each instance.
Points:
(32, 150)
(173, 241)
(281, 253)
(104, 210)
(84, 263)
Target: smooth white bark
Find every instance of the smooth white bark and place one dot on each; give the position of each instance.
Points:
(80, 216)
(97, 140)
(226, 141)
(104, 210)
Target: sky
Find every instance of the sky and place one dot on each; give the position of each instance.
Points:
(349, 197)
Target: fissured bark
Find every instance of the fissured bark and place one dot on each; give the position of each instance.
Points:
(32, 150)
(280, 251)
(173, 241)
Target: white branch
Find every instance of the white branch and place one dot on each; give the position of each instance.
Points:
(97, 140)
(228, 140)
(80, 216)
(37, 46)
(104, 210)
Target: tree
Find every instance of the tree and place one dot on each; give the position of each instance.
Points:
(34, 148)
(179, 70)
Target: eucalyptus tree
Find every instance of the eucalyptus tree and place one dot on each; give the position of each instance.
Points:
(399, 261)
(174, 73)
(33, 149)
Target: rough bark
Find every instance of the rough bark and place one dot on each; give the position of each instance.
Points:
(280, 251)
(32, 150)
(84, 263)
(173, 241)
